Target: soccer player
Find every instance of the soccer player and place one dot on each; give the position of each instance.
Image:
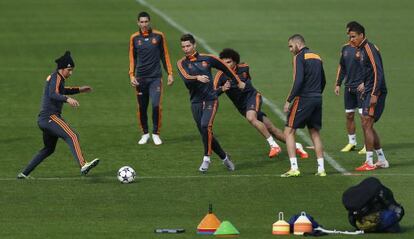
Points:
(304, 102)
(249, 101)
(374, 92)
(195, 70)
(147, 48)
(50, 120)
(349, 70)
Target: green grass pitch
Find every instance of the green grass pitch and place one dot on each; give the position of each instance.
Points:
(169, 192)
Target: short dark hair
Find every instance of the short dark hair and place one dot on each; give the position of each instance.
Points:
(188, 37)
(230, 54)
(352, 23)
(358, 28)
(143, 14)
(297, 37)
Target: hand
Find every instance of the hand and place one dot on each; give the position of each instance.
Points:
(134, 82)
(85, 89)
(337, 90)
(241, 85)
(226, 86)
(361, 88)
(286, 107)
(72, 102)
(373, 100)
(170, 80)
(203, 78)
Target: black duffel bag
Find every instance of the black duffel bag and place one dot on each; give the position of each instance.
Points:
(371, 207)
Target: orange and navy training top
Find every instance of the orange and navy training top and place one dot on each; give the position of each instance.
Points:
(308, 75)
(349, 68)
(54, 95)
(146, 50)
(200, 64)
(372, 73)
(236, 95)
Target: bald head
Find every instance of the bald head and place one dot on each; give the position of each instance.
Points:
(296, 43)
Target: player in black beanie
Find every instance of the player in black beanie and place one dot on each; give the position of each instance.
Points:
(65, 61)
(50, 119)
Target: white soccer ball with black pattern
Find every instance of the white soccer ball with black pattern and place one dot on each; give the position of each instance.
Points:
(126, 174)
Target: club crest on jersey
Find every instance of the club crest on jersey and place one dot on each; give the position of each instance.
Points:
(244, 74)
(190, 66)
(139, 42)
(358, 54)
(154, 41)
(204, 64)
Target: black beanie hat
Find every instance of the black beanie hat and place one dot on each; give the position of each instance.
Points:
(65, 61)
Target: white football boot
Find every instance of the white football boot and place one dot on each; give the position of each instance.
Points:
(229, 164)
(204, 166)
(156, 139)
(144, 139)
(88, 166)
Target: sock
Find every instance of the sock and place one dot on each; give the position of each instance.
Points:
(293, 163)
(272, 142)
(207, 158)
(352, 139)
(380, 154)
(299, 146)
(321, 166)
(370, 158)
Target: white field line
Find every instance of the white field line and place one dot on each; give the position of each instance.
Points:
(271, 105)
(203, 176)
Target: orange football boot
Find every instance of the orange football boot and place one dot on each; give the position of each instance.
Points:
(274, 151)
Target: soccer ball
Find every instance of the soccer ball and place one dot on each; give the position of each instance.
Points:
(126, 174)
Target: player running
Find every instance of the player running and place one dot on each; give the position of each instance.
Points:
(249, 101)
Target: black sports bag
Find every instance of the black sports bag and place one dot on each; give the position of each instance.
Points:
(371, 206)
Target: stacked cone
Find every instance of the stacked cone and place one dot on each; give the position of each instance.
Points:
(209, 224)
(302, 225)
(226, 229)
(281, 227)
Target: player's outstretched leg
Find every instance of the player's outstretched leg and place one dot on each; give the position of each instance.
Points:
(251, 116)
(279, 135)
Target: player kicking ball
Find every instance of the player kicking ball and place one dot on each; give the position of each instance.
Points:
(50, 121)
